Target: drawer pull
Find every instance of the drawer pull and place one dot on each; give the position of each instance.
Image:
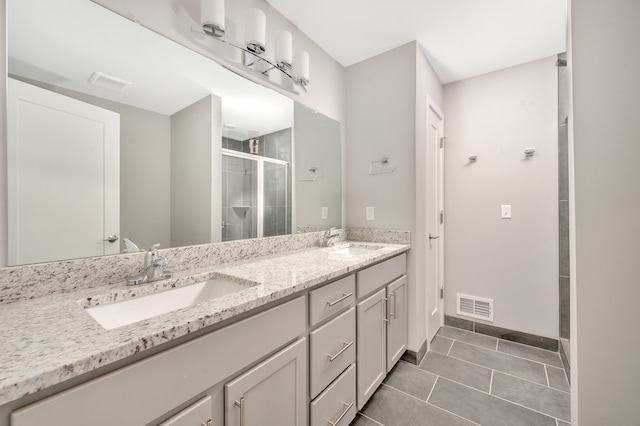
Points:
(344, 413)
(344, 348)
(344, 296)
(241, 405)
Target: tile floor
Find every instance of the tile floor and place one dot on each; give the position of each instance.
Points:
(473, 379)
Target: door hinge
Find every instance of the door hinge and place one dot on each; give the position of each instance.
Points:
(441, 217)
(441, 292)
(442, 141)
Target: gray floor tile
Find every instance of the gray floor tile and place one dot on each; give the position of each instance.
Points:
(468, 337)
(361, 420)
(529, 352)
(411, 379)
(393, 408)
(500, 361)
(441, 345)
(483, 408)
(537, 397)
(558, 379)
(458, 371)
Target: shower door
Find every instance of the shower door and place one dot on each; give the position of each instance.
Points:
(255, 196)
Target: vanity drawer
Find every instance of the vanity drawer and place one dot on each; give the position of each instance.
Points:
(376, 276)
(330, 299)
(332, 348)
(337, 400)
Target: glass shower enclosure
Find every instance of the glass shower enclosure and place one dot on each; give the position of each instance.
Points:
(255, 196)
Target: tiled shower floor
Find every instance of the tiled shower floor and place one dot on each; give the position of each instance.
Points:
(473, 379)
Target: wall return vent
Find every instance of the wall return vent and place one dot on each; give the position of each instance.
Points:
(475, 307)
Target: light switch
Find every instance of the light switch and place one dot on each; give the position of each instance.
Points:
(324, 212)
(506, 211)
(370, 213)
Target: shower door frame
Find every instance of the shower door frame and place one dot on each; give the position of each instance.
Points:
(260, 160)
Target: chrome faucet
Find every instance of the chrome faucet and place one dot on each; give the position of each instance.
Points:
(328, 237)
(154, 268)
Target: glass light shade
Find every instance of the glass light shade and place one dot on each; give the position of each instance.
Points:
(212, 13)
(284, 49)
(256, 30)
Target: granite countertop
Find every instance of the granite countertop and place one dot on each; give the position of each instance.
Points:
(50, 339)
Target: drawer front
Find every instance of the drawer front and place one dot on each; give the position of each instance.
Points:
(333, 348)
(376, 276)
(337, 404)
(196, 414)
(330, 299)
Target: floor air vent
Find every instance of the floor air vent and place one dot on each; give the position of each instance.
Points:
(476, 307)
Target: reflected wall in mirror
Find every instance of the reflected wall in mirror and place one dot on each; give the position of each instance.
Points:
(179, 114)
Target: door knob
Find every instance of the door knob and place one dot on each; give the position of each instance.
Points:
(433, 237)
(111, 238)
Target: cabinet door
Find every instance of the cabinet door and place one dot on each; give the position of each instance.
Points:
(272, 393)
(371, 345)
(397, 334)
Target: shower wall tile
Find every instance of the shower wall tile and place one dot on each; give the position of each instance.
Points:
(564, 238)
(563, 163)
(565, 310)
(235, 145)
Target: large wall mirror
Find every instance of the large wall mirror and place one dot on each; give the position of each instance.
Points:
(117, 131)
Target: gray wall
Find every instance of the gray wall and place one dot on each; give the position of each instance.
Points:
(497, 116)
(604, 138)
(386, 112)
(318, 145)
(4, 236)
(196, 173)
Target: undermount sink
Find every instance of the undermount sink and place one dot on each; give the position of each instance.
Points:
(354, 250)
(136, 309)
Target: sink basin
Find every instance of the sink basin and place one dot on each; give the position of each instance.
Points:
(136, 309)
(354, 250)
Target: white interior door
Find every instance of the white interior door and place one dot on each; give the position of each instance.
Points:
(63, 176)
(434, 217)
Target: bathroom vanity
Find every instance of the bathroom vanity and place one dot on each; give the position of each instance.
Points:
(308, 342)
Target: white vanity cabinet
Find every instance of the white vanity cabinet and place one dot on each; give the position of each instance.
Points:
(381, 323)
(154, 389)
(272, 393)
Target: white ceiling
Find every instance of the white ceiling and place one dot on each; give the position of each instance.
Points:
(461, 38)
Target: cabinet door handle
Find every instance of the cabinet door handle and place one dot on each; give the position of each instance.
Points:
(387, 309)
(207, 423)
(344, 296)
(344, 413)
(395, 306)
(341, 351)
(241, 405)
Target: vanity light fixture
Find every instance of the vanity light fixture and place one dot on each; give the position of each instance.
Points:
(295, 68)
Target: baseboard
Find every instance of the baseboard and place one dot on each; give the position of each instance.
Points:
(503, 333)
(415, 357)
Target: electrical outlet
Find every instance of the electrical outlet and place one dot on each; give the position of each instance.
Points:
(506, 211)
(324, 212)
(370, 213)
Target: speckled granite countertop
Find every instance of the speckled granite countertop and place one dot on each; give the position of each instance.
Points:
(50, 339)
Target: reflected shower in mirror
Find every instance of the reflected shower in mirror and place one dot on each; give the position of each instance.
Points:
(179, 117)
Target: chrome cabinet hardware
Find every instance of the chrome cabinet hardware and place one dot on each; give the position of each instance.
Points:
(207, 423)
(241, 405)
(395, 306)
(344, 296)
(341, 351)
(433, 237)
(344, 413)
(386, 315)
